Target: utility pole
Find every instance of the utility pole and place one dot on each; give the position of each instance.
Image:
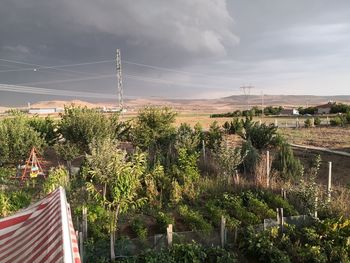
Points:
(262, 103)
(246, 91)
(119, 80)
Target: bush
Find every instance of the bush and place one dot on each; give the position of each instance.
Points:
(308, 123)
(186, 253)
(163, 220)
(139, 227)
(337, 121)
(194, 219)
(317, 121)
(289, 167)
(214, 137)
(233, 127)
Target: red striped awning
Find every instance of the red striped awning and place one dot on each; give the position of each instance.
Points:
(42, 232)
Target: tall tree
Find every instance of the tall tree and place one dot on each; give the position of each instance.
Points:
(114, 181)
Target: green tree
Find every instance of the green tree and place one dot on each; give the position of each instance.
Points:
(46, 127)
(57, 177)
(113, 181)
(154, 132)
(82, 126)
(214, 137)
(68, 151)
(17, 138)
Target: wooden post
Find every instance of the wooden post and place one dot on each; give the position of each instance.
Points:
(281, 220)
(278, 215)
(329, 186)
(268, 168)
(276, 123)
(85, 225)
(223, 231)
(315, 212)
(203, 148)
(169, 234)
(81, 246)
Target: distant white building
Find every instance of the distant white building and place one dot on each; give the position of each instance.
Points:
(44, 110)
(289, 112)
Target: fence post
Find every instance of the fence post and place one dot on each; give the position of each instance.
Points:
(268, 168)
(81, 246)
(316, 201)
(169, 234)
(85, 226)
(278, 215)
(203, 148)
(329, 186)
(281, 220)
(276, 123)
(223, 231)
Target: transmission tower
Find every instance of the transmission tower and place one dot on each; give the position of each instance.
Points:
(246, 91)
(119, 80)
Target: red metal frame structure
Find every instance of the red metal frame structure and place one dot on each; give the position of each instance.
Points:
(32, 166)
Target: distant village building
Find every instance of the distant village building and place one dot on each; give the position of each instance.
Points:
(289, 112)
(325, 108)
(44, 110)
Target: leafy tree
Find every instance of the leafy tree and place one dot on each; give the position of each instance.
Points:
(17, 138)
(251, 157)
(68, 152)
(308, 123)
(46, 127)
(113, 181)
(188, 138)
(82, 126)
(229, 159)
(154, 132)
(233, 127)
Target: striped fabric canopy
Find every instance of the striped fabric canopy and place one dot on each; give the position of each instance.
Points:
(42, 232)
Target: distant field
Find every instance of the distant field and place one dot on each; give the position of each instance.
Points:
(328, 137)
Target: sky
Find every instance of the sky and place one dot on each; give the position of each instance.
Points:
(172, 49)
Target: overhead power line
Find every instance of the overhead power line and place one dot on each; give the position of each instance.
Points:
(43, 91)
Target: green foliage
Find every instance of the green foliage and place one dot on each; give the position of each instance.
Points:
(17, 138)
(340, 108)
(270, 110)
(163, 220)
(338, 121)
(139, 227)
(257, 206)
(289, 167)
(276, 201)
(194, 219)
(46, 127)
(188, 138)
(229, 159)
(186, 170)
(317, 121)
(67, 150)
(261, 135)
(308, 110)
(154, 132)
(82, 126)
(308, 123)
(214, 137)
(251, 157)
(258, 246)
(186, 253)
(12, 201)
(233, 127)
(57, 177)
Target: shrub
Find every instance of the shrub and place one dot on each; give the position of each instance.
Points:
(317, 121)
(337, 121)
(289, 167)
(233, 127)
(260, 135)
(308, 123)
(139, 227)
(194, 219)
(46, 127)
(214, 137)
(163, 220)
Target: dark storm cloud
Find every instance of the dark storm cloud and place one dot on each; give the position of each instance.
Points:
(155, 30)
(279, 46)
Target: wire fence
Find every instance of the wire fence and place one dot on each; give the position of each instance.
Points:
(127, 248)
